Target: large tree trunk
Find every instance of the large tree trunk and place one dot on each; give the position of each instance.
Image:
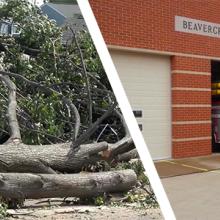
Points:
(124, 145)
(83, 185)
(132, 154)
(48, 158)
(58, 157)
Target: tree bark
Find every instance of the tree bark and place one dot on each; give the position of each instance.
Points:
(124, 145)
(87, 134)
(12, 106)
(18, 157)
(34, 186)
(48, 158)
(132, 154)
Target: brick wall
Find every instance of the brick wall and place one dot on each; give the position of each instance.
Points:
(191, 111)
(148, 24)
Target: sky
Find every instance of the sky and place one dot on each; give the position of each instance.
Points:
(39, 2)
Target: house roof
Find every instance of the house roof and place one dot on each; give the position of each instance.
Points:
(67, 10)
(63, 13)
(54, 14)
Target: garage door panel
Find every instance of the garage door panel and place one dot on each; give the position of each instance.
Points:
(154, 100)
(154, 79)
(152, 89)
(153, 95)
(157, 121)
(153, 110)
(153, 106)
(147, 82)
(156, 147)
(153, 132)
(157, 124)
(152, 84)
(141, 105)
(155, 143)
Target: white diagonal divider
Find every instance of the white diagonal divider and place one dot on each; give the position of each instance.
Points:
(124, 104)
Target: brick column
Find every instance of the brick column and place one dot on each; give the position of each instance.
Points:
(191, 107)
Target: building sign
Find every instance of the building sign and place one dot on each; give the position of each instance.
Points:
(193, 26)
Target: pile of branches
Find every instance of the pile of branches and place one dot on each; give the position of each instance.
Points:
(59, 115)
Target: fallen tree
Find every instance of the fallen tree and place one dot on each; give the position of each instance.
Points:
(59, 114)
(132, 154)
(83, 185)
(57, 157)
(48, 158)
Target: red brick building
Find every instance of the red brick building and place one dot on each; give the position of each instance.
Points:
(166, 53)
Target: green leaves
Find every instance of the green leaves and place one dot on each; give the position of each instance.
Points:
(3, 210)
(38, 55)
(36, 29)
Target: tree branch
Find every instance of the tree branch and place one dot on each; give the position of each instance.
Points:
(47, 90)
(85, 75)
(12, 106)
(117, 112)
(86, 135)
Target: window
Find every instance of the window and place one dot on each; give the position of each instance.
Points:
(4, 29)
(15, 30)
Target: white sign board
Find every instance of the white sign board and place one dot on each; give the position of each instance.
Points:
(193, 26)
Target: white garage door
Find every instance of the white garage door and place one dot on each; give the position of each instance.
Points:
(147, 82)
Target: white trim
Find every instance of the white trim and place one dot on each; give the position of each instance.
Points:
(191, 139)
(191, 72)
(125, 106)
(191, 89)
(142, 50)
(191, 122)
(191, 106)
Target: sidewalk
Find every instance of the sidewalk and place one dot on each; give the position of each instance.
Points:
(178, 167)
(195, 196)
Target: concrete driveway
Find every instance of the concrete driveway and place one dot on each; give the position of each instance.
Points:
(195, 196)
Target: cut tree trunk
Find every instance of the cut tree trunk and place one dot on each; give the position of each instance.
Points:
(132, 154)
(48, 158)
(58, 157)
(82, 185)
(124, 145)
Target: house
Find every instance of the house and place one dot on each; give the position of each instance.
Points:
(65, 14)
(168, 55)
(9, 29)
